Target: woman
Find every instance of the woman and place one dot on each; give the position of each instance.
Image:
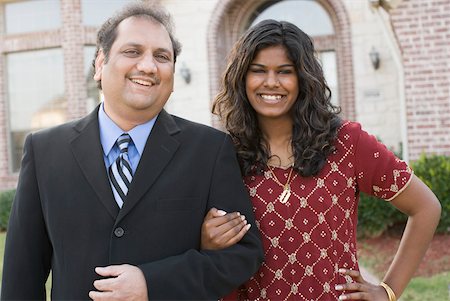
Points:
(304, 168)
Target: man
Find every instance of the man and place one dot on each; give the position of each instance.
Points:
(121, 220)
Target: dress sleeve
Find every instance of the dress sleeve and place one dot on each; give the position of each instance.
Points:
(379, 172)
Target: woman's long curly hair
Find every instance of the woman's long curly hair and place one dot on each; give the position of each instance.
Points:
(315, 118)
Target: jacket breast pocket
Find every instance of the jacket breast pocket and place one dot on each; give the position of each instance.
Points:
(178, 204)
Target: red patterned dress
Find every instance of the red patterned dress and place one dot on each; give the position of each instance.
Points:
(313, 234)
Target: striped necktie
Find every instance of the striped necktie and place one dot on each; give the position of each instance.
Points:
(120, 172)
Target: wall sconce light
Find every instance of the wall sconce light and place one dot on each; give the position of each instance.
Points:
(185, 73)
(375, 58)
(386, 4)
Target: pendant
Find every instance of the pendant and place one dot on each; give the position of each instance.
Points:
(284, 196)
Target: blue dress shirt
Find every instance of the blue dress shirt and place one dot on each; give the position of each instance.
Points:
(109, 132)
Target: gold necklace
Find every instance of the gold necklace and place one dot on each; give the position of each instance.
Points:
(286, 193)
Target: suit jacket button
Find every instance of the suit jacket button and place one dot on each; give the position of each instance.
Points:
(118, 232)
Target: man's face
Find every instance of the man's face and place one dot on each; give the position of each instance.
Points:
(137, 78)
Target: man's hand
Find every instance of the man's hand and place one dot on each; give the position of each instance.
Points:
(126, 282)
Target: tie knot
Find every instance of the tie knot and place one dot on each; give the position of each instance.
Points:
(123, 142)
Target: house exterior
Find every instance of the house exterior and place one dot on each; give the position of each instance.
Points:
(388, 66)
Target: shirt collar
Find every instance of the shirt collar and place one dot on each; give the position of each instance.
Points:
(110, 131)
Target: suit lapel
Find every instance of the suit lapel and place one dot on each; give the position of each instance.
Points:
(158, 152)
(88, 152)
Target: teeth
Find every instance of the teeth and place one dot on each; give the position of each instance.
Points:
(271, 97)
(141, 82)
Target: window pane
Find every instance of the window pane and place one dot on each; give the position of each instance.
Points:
(35, 93)
(91, 85)
(29, 16)
(328, 60)
(308, 15)
(95, 12)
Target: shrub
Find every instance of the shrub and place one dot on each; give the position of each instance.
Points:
(6, 199)
(375, 216)
(434, 170)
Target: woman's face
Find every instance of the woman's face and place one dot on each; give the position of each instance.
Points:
(272, 83)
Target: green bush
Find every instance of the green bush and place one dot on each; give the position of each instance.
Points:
(434, 170)
(376, 216)
(6, 199)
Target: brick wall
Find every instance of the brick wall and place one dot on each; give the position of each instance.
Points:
(5, 179)
(71, 38)
(229, 19)
(422, 28)
(72, 32)
(423, 31)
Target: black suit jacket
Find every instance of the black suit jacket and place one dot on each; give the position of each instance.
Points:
(65, 219)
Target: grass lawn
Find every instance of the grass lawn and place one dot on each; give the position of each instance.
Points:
(432, 280)
(428, 289)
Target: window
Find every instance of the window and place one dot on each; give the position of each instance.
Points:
(93, 96)
(31, 16)
(36, 95)
(328, 61)
(96, 12)
(308, 15)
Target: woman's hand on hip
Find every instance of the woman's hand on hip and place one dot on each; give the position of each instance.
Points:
(360, 289)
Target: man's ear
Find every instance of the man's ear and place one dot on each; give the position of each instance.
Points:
(99, 61)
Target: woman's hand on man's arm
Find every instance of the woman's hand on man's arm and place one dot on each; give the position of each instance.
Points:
(221, 230)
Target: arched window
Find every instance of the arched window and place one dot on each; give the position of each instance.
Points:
(308, 15)
(315, 21)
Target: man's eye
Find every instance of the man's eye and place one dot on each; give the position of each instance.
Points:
(131, 52)
(162, 58)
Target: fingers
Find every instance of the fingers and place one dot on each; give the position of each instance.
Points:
(224, 231)
(224, 223)
(236, 237)
(354, 286)
(360, 289)
(355, 296)
(109, 271)
(232, 228)
(127, 284)
(356, 275)
(100, 296)
(231, 232)
(105, 284)
(217, 218)
(217, 212)
(214, 212)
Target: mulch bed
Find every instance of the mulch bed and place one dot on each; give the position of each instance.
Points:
(382, 250)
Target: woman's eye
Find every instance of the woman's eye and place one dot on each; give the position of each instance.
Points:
(257, 70)
(285, 71)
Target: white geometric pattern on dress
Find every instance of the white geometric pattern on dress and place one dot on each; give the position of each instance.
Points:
(307, 239)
